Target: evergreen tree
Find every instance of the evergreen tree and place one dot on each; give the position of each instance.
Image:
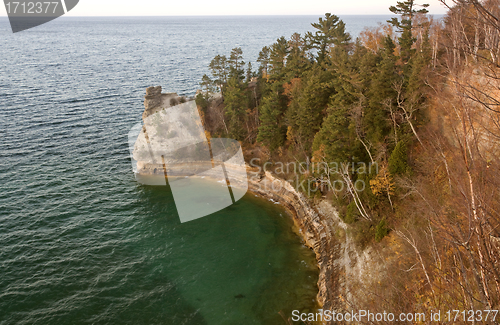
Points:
(220, 70)
(381, 94)
(272, 130)
(235, 100)
(296, 63)
(236, 64)
(330, 31)
(277, 58)
(342, 40)
(308, 109)
(407, 11)
(249, 73)
(337, 137)
(207, 85)
(366, 61)
(263, 59)
(398, 160)
(346, 79)
(421, 60)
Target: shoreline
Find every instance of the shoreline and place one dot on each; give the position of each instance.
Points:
(314, 229)
(344, 269)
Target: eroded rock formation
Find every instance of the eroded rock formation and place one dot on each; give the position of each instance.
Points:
(155, 100)
(344, 270)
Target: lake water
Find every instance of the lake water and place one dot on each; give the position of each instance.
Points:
(80, 240)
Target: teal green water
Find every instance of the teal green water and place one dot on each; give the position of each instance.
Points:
(242, 265)
(140, 265)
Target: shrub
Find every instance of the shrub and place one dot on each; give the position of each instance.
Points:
(381, 231)
(201, 101)
(398, 161)
(352, 213)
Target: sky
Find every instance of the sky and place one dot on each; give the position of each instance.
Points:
(235, 7)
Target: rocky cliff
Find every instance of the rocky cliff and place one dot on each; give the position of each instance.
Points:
(345, 271)
(155, 100)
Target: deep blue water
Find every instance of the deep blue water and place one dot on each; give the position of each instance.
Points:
(80, 240)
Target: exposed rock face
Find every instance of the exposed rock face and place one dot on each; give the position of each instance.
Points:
(315, 229)
(173, 142)
(153, 97)
(344, 270)
(155, 101)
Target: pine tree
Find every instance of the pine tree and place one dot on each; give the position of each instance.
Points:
(272, 130)
(421, 60)
(207, 85)
(263, 59)
(249, 73)
(381, 94)
(308, 109)
(337, 137)
(398, 161)
(346, 81)
(236, 64)
(342, 40)
(407, 11)
(330, 31)
(296, 63)
(235, 100)
(220, 70)
(277, 59)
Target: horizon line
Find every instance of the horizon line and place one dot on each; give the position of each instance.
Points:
(225, 15)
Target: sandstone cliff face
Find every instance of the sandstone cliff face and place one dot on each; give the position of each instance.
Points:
(153, 97)
(315, 230)
(155, 101)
